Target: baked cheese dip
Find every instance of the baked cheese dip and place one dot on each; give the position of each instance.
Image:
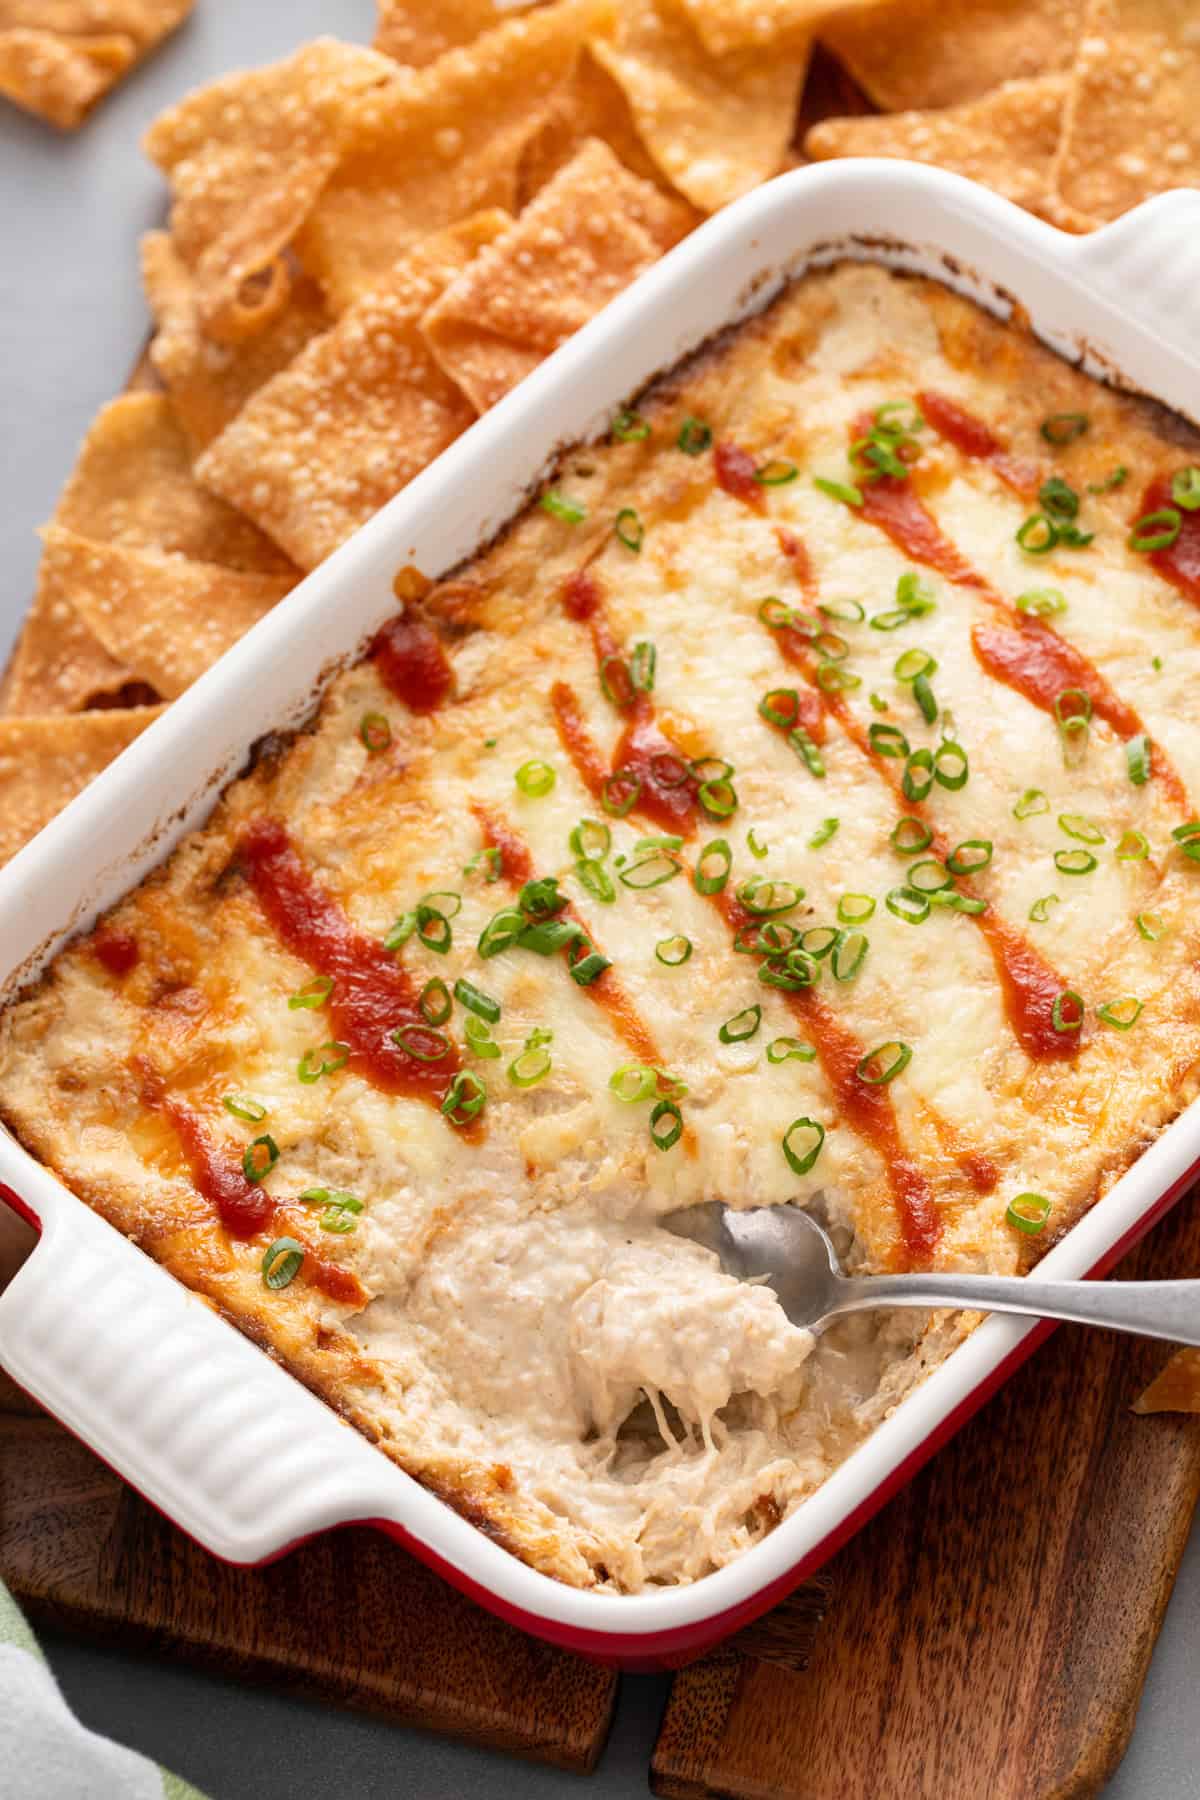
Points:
(793, 807)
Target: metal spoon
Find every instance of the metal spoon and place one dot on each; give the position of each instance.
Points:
(797, 1258)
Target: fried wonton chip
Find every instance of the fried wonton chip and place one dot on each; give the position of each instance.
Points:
(209, 383)
(133, 484)
(247, 157)
(589, 105)
(589, 232)
(442, 144)
(57, 57)
(362, 410)
(46, 762)
(1006, 140)
(1132, 121)
(761, 24)
(915, 54)
(419, 31)
(715, 125)
(163, 616)
(1176, 1388)
(60, 666)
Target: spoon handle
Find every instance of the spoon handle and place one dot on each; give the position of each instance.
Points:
(1157, 1309)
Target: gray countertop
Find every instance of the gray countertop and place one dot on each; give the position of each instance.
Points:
(72, 322)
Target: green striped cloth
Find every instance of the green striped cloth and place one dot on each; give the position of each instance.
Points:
(45, 1753)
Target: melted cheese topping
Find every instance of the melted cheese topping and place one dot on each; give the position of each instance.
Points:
(508, 1317)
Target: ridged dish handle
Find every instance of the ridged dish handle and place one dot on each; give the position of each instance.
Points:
(190, 1413)
(1147, 265)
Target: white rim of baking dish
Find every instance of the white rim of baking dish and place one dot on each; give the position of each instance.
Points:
(175, 1398)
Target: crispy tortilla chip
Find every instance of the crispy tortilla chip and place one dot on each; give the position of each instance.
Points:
(324, 444)
(1176, 1388)
(1131, 127)
(163, 616)
(209, 383)
(725, 25)
(247, 157)
(715, 125)
(59, 665)
(584, 238)
(57, 57)
(417, 32)
(46, 762)
(589, 105)
(444, 143)
(1006, 140)
(133, 484)
(915, 54)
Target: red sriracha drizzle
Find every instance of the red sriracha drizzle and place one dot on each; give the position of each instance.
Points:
(372, 994)
(409, 657)
(1179, 563)
(116, 951)
(735, 473)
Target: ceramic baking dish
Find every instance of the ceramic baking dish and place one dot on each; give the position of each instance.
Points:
(203, 1423)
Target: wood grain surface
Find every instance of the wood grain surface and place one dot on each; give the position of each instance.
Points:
(989, 1632)
(351, 1618)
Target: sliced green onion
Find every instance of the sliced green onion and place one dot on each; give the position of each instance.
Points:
(1150, 926)
(596, 879)
(643, 662)
(712, 881)
(651, 871)
(849, 953)
(776, 473)
(800, 1162)
(501, 931)
(1028, 1213)
(1032, 801)
(913, 596)
(629, 427)
(1074, 862)
(546, 937)
(825, 830)
(665, 1139)
(705, 768)
(910, 836)
(1133, 847)
(540, 898)
(475, 1000)
(925, 698)
(951, 900)
(882, 1065)
(1114, 479)
(938, 876)
(717, 798)
(887, 740)
(855, 909)
(790, 1049)
(493, 864)
(588, 968)
(309, 1070)
(951, 751)
(533, 1063)
(479, 1039)
(1067, 1012)
(628, 529)
(1043, 603)
(673, 952)
(1077, 825)
(375, 732)
(909, 419)
(845, 612)
(755, 845)
(281, 1263)
(665, 840)
(561, 506)
(1059, 498)
(314, 993)
(831, 678)
(620, 792)
(1120, 1014)
(1063, 428)
(839, 490)
(774, 614)
(694, 437)
(1156, 530)
(434, 1002)
(808, 752)
(243, 1107)
(422, 1042)
(1039, 912)
(819, 940)
(433, 929)
(341, 1209)
(878, 703)
(1038, 534)
(790, 973)
(259, 1158)
(1073, 709)
(590, 840)
(917, 779)
(535, 778)
(969, 857)
(907, 904)
(766, 898)
(464, 1099)
(616, 682)
(1185, 488)
(401, 931)
(913, 663)
(1137, 759)
(634, 1082)
(770, 937)
(742, 1026)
